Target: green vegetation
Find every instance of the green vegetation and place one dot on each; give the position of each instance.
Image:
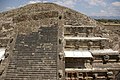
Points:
(115, 21)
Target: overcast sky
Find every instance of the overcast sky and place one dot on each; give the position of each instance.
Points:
(88, 7)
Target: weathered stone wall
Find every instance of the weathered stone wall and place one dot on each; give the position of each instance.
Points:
(35, 16)
(78, 63)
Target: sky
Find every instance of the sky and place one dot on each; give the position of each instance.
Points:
(88, 7)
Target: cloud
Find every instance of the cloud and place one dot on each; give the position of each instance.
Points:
(93, 2)
(96, 2)
(30, 2)
(33, 1)
(67, 3)
(116, 3)
(112, 9)
(9, 8)
(108, 11)
(36, 1)
(102, 11)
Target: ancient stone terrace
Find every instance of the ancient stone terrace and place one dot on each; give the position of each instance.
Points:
(86, 55)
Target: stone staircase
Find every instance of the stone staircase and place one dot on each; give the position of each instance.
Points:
(34, 56)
